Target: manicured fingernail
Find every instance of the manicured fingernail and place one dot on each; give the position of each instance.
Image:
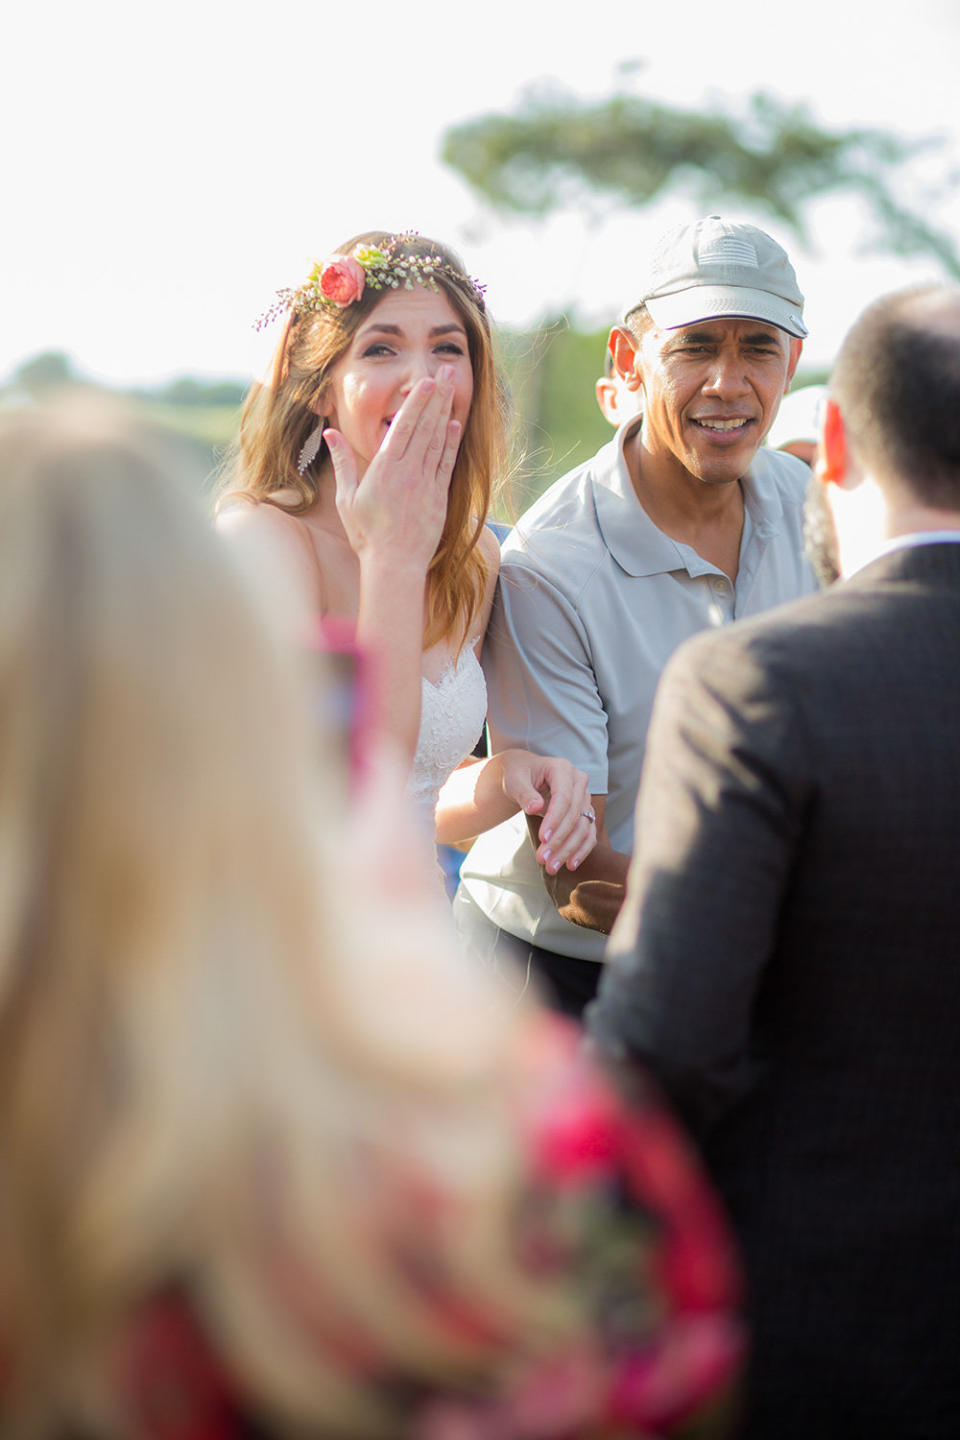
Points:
(545, 833)
(547, 857)
(446, 372)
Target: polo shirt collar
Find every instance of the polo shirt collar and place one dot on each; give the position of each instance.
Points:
(633, 540)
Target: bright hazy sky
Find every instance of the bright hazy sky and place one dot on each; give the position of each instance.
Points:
(167, 168)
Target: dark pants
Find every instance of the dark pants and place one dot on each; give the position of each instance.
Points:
(568, 984)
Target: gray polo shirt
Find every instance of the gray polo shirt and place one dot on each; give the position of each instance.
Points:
(593, 599)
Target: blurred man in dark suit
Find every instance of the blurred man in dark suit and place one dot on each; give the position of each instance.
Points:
(787, 960)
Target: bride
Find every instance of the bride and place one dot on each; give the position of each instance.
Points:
(366, 461)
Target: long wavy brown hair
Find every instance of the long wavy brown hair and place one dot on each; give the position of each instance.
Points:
(280, 414)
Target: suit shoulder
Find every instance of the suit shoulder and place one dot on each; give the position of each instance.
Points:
(802, 635)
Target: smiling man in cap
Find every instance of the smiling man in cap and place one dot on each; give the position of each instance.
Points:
(681, 522)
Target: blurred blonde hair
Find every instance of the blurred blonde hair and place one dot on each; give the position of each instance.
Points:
(280, 414)
(224, 1065)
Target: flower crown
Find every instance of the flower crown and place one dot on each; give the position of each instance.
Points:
(340, 280)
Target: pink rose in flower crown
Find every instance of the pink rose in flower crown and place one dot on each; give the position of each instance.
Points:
(342, 280)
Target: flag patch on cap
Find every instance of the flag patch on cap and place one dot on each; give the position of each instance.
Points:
(728, 250)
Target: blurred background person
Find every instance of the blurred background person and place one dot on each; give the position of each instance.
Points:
(368, 458)
(797, 426)
(274, 1160)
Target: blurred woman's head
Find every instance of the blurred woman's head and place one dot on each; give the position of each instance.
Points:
(151, 761)
(202, 1080)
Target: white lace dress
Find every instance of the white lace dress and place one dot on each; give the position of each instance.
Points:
(453, 709)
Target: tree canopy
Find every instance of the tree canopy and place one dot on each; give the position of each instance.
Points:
(556, 151)
(50, 370)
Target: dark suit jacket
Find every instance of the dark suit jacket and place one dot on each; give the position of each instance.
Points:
(788, 963)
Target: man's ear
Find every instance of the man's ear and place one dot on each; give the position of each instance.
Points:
(623, 349)
(606, 392)
(832, 458)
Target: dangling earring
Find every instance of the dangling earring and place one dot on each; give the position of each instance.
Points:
(311, 447)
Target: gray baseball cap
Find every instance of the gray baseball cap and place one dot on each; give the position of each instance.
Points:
(715, 268)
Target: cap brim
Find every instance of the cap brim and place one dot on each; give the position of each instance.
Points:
(714, 302)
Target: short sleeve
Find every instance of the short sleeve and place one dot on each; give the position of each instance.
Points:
(541, 681)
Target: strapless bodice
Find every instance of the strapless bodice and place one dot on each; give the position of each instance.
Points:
(452, 714)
